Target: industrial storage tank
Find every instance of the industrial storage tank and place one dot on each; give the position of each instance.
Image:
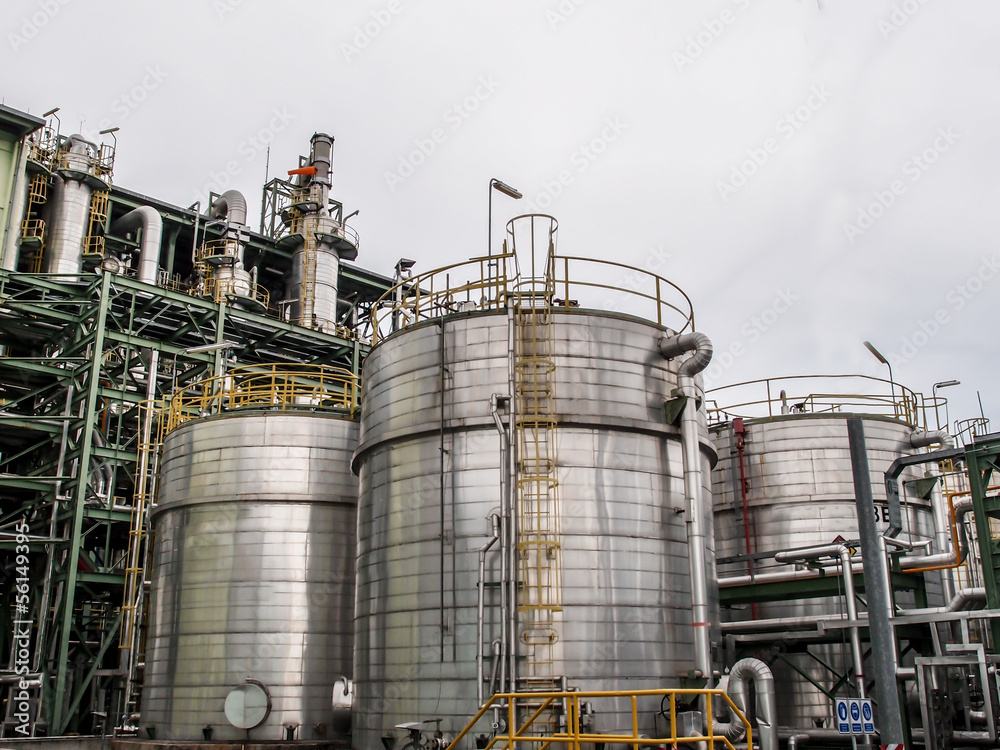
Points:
(250, 626)
(588, 510)
(784, 481)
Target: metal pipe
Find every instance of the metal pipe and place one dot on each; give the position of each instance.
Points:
(782, 577)
(18, 204)
(797, 739)
(844, 553)
(924, 439)
(511, 530)
(481, 607)
(741, 675)
(959, 545)
(697, 524)
(505, 605)
(147, 219)
(231, 206)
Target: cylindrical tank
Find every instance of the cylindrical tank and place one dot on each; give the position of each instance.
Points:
(252, 577)
(800, 493)
(67, 210)
(430, 467)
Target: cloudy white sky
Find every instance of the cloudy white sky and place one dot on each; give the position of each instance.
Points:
(813, 173)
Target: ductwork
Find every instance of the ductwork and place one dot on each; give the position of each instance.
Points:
(699, 343)
(741, 675)
(147, 219)
(698, 526)
(231, 206)
(924, 439)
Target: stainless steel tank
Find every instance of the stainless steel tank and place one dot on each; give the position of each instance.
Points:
(252, 577)
(800, 493)
(430, 467)
(67, 210)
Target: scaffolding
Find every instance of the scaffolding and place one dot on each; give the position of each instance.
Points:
(84, 357)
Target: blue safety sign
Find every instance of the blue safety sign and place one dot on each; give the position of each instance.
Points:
(866, 716)
(854, 716)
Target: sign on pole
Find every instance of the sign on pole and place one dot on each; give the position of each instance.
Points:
(854, 716)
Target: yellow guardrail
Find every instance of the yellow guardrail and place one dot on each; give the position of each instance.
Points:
(224, 248)
(278, 387)
(575, 734)
(220, 289)
(814, 394)
(488, 282)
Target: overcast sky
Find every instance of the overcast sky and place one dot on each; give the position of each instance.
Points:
(813, 173)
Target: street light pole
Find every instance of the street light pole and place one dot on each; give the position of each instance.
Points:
(510, 192)
(943, 384)
(878, 355)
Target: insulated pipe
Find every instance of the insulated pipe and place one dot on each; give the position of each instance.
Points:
(19, 201)
(741, 675)
(232, 206)
(797, 739)
(842, 551)
(322, 156)
(505, 605)
(699, 343)
(697, 524)
(147, 219)
(959, 551)
(782, 577)
(480, 612)
(927, 438)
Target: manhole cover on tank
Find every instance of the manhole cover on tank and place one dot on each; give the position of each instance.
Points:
(247, 705)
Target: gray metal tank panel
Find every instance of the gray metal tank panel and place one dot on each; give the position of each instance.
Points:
(800, 494)
(626, 620)
(253, 572)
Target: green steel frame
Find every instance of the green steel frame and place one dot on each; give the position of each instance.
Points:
(77, 353)
(983, 462)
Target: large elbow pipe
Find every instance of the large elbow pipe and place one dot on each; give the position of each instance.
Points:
(928, 438)
(699, 526)
(744, 672)
(147, 219)
(699, 343)
(232, 206)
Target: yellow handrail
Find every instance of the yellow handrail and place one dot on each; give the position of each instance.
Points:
(574, 736)
(279, 387)
(768, 397)
(487, 282)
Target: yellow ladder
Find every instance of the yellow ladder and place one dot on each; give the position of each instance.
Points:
(135, 603)
(93, 243)
(539, 546)
(33, 229)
